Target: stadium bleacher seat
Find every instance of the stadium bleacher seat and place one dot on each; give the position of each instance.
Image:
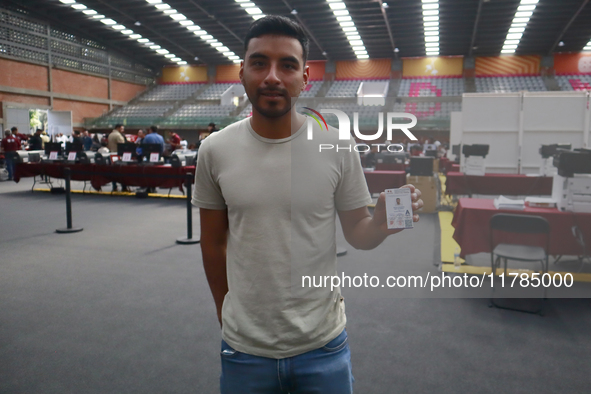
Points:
(311, 89)
(171, 92)
(141, 111)
(347, 88)
(246, 111)
(215, 91)
(510, 84)
(203, 111)
(574, 82)
(429, 110)
(431, 87)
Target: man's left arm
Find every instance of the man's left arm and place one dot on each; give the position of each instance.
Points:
(364, 231)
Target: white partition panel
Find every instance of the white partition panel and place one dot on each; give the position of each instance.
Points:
(488, 112)
(19, 118)
(455, 133)
(59, 122)
(550, 118)
(495, 120)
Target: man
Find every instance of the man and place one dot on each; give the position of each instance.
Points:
(86, 140)
(21, 137)
(35, 142)
(45, 138)
(10, 144)
(174, 140)
(62, 139)
(140, 136)
(77, 138)
(268, 202)
(114, 138)
(211, 128)
(154, 138)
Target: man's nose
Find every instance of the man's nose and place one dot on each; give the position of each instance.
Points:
(272, 77)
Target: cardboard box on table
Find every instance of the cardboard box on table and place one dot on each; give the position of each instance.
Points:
(429, 191)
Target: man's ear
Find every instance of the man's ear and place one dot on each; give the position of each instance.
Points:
(306, 77)
(241, 72)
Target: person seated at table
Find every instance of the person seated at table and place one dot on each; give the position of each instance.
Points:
(103, 149)
(174, 140)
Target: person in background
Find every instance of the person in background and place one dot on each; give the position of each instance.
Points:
(35, 141)
(86, 140)
(174, 140)
(62, 139)
(22, 137)
(10, 144)
(104, 149)
(45, 138)
(211, 128)
(138, 141)
(154, 138)
(77, 138)
(140, 136)
(116, 137)
(96, 143)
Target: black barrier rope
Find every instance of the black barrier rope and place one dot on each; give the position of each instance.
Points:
(188, 185)
(69, 228)
(189, 240)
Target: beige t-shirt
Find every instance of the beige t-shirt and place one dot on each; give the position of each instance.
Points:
(114, 138)
(282, 197)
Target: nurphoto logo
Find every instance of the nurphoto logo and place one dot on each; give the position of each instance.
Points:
(345, 129)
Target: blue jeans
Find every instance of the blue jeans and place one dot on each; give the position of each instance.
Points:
(326, 370)
(9, 160)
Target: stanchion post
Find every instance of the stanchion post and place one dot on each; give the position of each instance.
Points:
(189, 240)
(68, 229)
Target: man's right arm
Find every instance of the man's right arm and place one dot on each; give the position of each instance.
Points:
(214, 239)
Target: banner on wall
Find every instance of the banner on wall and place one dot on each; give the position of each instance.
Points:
(227, 73)
(317, 69)
(572, 63)
(507, 65)
(184, 74)
(364, 69)
(431, 67)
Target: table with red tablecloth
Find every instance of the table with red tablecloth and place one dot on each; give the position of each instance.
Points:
(378, 181)
(472, 233)
(493, 184)
(99, 175)
(446, 165)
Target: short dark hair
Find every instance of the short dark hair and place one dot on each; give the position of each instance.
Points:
(211, 124)
(14, 129)
(280, 26)
(153, 129)
(118, 125)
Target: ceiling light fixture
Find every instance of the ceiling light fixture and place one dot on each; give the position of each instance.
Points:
(342, 16)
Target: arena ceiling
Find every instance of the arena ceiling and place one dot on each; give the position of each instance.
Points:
(466, 27)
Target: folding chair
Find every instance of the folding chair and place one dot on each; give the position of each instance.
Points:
(518, 224)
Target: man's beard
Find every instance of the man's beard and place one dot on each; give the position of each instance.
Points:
(272, 111)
